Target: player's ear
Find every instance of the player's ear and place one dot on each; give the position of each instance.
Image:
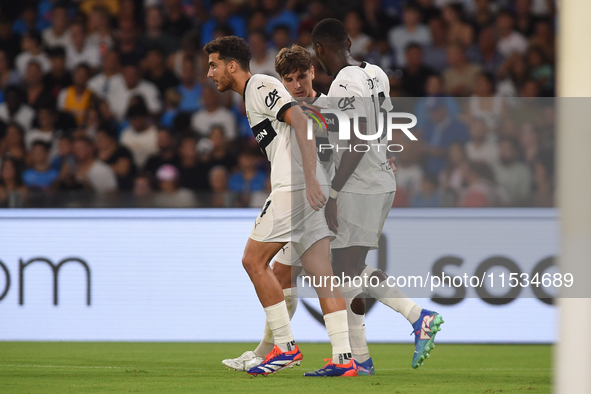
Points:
(312, 72)
(349, 41)
(319, 48)
(231, 66)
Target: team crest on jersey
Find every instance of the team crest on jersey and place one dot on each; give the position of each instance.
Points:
(346, 103)
(272, 99)
(372, 82)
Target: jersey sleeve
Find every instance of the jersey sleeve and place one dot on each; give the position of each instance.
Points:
(385, 84)
(270, 99)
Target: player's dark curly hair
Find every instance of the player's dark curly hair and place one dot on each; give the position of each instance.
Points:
(330, 31)
(230, 48)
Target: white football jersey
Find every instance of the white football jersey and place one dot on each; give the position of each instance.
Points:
(361, 90)
(321, 135)
(266, 100)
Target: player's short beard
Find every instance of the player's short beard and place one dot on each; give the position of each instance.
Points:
(225, 82)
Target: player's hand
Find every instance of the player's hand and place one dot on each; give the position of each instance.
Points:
(314, 194)
(391, 162)
(330, 212)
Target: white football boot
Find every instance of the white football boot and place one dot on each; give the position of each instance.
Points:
(244, 362)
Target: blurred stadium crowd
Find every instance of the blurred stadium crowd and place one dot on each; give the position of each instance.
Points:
(106, 103)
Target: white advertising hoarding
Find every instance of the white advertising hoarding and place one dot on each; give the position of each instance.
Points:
(176, 275)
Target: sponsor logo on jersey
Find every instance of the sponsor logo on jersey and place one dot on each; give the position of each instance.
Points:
(344, 86)
(272, 99)
(262, 86)
(346, 103)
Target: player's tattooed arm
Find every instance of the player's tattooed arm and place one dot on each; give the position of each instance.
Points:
(295, 117)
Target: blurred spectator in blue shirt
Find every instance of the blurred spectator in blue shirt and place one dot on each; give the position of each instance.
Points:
(190, 89)
(428, 195)
(249, 178)
(433, 88)
(40, 175)
(278, 15)
(443, 130)
(435, 54)
(221, 16)
(27, 21)
(485, 52)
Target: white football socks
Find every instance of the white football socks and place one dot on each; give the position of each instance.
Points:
(278, 319)
(337, 329)
(392, 297)
(267, 343)
(356, 323)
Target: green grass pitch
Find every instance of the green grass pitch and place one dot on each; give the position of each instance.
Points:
(80, 367)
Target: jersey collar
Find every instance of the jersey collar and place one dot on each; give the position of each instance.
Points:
(244, 93)
(315, 97)
(363, 64)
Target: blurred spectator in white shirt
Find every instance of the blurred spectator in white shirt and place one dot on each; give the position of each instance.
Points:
(481, 147)
(100, 34)
(15, 110)
(510, 40)
(31, 46)
(101, 84)
(81, 50)
(360, 42)
(512, 175)
(58, 34)
(411, 31)
(87, 172)
(131, 85)
(213, 114)
(263, 57)
(140, 137)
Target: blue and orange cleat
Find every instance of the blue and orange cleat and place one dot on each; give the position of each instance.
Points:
(365, 368)
(331, 369)
(276, 360)
(425, 329)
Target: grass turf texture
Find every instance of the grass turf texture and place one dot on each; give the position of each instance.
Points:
(80, 367)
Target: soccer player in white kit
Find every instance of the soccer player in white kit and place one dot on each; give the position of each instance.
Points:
(362, 191)
(294, 66)
(292, 213)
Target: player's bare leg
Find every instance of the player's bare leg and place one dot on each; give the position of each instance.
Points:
(286, 275)
(316, 263)
(256, 259)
